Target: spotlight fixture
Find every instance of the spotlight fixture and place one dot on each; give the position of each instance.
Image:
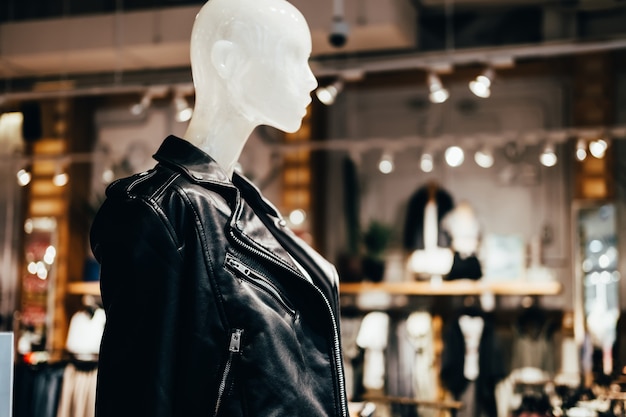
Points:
(437, 93)
(23, 177)
(140, 108)
(386, 164)
(454, 156)
(108, 175)
(328, 94)
(548, 157)
(481, 85)
(581, 150)
(182, 108)
(598, 148)
(151, 92)
(340, 30)
(60, 178)
(484, 157)
(426, 162)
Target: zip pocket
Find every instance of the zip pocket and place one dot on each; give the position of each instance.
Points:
(227, 379)
(255, 278)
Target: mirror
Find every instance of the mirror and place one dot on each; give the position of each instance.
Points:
(597, 284)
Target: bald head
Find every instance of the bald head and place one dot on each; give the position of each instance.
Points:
(254, 26)
(250, 58)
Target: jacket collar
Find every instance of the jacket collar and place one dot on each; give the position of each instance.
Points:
(191, 160)
(200, 167)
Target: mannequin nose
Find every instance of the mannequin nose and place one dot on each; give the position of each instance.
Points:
(311, 80)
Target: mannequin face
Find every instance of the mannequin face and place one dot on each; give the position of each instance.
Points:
(274, 81)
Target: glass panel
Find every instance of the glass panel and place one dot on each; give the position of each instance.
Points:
(597, 266)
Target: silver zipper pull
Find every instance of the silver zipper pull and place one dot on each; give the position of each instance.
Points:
(235, 341)
(239, 266)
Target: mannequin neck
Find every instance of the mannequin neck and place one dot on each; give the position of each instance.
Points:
(220, 131)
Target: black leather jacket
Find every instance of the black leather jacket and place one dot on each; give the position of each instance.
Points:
(207, 313)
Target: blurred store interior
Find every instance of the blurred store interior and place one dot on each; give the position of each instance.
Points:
(511, 112)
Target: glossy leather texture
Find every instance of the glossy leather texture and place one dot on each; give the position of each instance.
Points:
(207, 313)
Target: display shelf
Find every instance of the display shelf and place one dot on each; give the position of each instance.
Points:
(84, 287)
(455, 287)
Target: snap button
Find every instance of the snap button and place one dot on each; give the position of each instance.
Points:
(282, 223)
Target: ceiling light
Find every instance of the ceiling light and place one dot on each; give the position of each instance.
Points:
(437, 94)
(426, 162)
(182, 108)
(23, 177)
(581, 150)
(140, 108)
(548, 157)
(108, 175)
(151, 92)
(481, 85)
(454, 156)
(339, 31)
(598, 148)
(297, 217)
(328, 94)
(484, 158)
(60, 178)
(386, 165)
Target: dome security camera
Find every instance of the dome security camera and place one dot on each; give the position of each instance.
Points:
(339, 32)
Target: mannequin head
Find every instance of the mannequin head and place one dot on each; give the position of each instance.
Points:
(251, 56)
(249, 61)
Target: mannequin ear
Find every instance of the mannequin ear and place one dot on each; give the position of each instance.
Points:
(224, 57)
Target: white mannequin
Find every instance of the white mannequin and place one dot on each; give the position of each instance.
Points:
(419, 327)
(472, 329)
(432, 260)
(373, 337)
(249, 60)
(462, 224)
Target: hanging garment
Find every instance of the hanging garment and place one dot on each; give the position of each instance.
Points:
(373, 337)
(431, 259)
(532, 341)
(490, 364)
(399, 376)
(416, 210)
(85, 334)
(352, 355)
(467, 267)
(78, 394)
(37, 389)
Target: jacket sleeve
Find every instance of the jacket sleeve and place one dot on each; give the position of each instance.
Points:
(140, 285)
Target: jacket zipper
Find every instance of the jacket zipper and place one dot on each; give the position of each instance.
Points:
(234, 349)
(336, 341)
(258, 280)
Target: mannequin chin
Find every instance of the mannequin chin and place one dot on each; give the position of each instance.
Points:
(249, 61)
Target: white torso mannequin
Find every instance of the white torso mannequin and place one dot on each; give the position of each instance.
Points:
(249, 61)
(433, 260)
(464, 228)
(472, 329)
(419, 326)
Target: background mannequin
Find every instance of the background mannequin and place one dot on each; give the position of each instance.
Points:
(214, 307)
(463, 226)
(430, 255)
